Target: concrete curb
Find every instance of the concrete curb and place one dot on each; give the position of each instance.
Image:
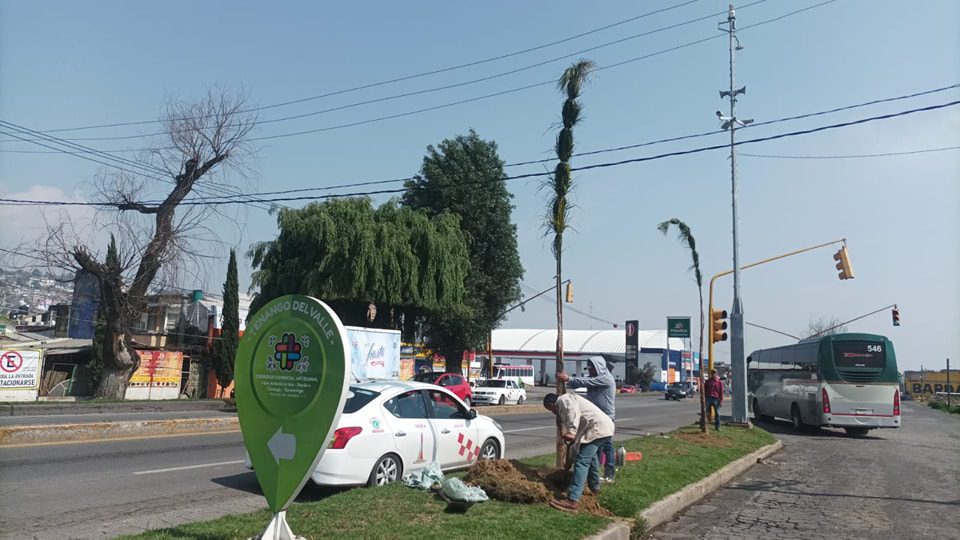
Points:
(90, 431)
(19, 435)
(50, 408)
(618, 530)
(664, 509)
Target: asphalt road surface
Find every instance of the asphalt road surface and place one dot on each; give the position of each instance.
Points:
(902, 483)
(103, 489)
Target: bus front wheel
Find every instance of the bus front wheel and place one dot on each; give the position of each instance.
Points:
(795, 418)
(857, 431)
(757, 415)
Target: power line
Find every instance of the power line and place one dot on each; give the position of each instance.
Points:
(145, 169)
(857, 156)
(568, 307)
(413, 76)
(476, 98)
(8, 202)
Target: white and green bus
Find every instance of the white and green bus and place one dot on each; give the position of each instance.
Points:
(844, 380)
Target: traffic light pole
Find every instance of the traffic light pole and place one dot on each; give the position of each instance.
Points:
(744, 267)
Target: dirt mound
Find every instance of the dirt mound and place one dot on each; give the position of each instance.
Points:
(512, 481)
(504, 482)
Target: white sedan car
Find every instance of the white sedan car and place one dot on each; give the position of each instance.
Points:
(498, 392)
(391, 428)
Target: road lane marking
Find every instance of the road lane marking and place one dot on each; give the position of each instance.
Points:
(553, 427)
(188, 467)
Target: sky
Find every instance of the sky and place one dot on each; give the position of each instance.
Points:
(74, 64)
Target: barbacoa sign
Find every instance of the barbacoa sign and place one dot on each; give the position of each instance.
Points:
(292, 378)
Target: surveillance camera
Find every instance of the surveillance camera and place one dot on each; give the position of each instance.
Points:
(719, 114)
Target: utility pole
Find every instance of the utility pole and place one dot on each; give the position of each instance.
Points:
(731, 123)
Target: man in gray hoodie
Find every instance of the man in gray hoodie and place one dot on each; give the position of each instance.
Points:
(601, 391)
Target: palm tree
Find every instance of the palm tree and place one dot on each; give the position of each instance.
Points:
(686, 238)
(560, 184)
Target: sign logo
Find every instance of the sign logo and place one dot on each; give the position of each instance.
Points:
(292, 379)
(678, 327)
(11, 362)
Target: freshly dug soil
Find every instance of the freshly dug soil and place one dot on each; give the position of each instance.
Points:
(512, 481)
(501, 480)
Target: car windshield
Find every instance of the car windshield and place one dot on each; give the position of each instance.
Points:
(492, 384)
(428, 377)
(358, 397)
(675, 385)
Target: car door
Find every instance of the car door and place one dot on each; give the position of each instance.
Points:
(457, 443)
(408, 416)
(456, 385)
(513, 392)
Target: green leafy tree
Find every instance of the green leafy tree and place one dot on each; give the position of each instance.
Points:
(559, 186)
(95, 365)
(383, 267)
(646, 375)
(686, 238)
(465, 176)
(226, 346)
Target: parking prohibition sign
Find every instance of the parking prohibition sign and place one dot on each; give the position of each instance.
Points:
(11, 362)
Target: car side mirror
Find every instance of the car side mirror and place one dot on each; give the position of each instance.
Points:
(471, 414)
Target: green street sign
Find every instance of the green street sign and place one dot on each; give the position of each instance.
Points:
(291, 382)
(678, 327)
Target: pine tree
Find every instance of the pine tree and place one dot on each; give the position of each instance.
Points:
(226, 347)
(95, 365)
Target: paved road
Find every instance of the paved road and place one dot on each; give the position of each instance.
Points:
(103, 489)
(894, 484)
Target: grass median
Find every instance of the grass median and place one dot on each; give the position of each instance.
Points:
(669, 464)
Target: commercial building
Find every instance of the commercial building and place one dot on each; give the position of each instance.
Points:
(537, 347)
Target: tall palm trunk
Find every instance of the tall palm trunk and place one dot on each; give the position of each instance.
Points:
(560, 185)
(686, 237)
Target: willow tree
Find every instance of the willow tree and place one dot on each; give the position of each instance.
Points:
(559, 185)
(383, 267)
(687, 239)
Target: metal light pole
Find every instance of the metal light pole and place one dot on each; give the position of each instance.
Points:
(731, 123)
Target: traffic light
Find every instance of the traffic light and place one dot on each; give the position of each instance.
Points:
(843, 263)
(895, 312)
(718, 325)
(569, 295)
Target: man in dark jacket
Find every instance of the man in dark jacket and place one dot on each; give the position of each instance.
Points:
(601, 391)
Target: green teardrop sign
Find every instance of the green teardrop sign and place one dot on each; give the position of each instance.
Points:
(291, 383)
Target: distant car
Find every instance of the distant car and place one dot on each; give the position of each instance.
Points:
(498, 391)
(657, 387)
(628, 389)
(581, 390)
(906, 397)
(390, 428)
(678, 391)
(451, 381)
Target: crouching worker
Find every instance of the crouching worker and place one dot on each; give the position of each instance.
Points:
(585, 424)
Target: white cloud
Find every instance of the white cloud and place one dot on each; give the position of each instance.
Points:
(26, 225)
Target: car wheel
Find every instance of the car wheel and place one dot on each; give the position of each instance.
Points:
(857, 431)
(757, 414)
(490, 450)
(388, 469)
(520, 400)
(502, 400)
(795, 418)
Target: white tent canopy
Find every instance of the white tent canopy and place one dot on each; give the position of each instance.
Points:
(579, 342)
